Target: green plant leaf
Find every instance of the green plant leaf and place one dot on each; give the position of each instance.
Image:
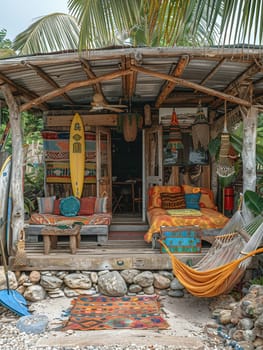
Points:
(254, 202)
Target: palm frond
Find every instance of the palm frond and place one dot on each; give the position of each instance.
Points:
(54, 32)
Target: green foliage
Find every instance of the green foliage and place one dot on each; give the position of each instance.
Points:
(254, 202)
(33, 187)
(258, 281)
(5, 45)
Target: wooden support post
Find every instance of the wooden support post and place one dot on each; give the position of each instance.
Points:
(249, 151)
(17, 165)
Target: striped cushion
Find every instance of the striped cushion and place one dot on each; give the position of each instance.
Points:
(172, 200)
(46, 204)
(101, 205)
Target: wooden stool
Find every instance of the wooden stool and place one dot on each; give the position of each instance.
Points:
(50, 237)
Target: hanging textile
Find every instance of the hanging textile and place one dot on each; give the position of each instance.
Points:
(200, 130)
(175, 136)
(225, 167)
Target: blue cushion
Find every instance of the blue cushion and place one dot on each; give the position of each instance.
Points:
(192, 200)
(69, 206)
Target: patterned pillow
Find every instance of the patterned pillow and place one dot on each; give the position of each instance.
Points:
(155, 197)
(69, 206)
(46, 204)
(101, 205)
(173, 200)
(192, 200)
(87, 205)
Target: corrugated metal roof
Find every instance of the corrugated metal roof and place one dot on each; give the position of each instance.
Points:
(65, 68)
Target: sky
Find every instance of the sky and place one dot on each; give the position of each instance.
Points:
(17, 15)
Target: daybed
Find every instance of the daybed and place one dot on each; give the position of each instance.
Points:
(182, 206)
(91, 212)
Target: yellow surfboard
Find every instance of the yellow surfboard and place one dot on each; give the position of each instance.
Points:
(77, 155)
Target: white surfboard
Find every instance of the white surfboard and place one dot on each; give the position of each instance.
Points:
(5, 174)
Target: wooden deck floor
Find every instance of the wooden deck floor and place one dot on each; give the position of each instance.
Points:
(115, 254)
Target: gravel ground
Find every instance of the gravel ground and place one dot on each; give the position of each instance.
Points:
(191, 327)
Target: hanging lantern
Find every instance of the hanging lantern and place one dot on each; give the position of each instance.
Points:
(225, 167)
(200, 130)
(175, 136)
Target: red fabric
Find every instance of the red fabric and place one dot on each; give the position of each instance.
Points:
(56, 210)
(87, 205)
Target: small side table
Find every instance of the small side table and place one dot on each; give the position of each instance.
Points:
(50, 236)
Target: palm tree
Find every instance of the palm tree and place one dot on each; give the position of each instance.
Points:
(101, 23)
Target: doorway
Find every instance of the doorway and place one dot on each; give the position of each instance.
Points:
(126, 175)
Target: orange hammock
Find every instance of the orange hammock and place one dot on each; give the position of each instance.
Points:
(212, 282)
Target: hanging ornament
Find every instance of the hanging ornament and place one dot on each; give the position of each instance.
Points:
(200, 130)
(225, 167)
(175, 136)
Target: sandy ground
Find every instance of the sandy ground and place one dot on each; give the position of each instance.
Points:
(188, 318)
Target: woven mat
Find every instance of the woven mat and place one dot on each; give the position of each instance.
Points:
(101, 313)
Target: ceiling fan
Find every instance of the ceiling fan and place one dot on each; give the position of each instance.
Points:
(99, 103)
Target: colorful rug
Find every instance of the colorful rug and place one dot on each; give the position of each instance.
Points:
(101, 313)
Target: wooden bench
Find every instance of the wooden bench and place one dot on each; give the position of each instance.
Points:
(50, 236)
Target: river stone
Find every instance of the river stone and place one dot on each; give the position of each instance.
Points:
(160, 282)
(11, 278)
(112, 284)
(245, 323)
(167, 274)
(34, 277)
(50, 282)
(144, 279)
(128, 275)
(176, 293)
(78, 280)
(225, 316)
(176, 285)
(149, 290)
(94, 277)
(135, 288)
(35, 293)
(32, 324)
(23, 278)
(70, 293)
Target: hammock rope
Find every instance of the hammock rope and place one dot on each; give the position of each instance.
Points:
(224, 263)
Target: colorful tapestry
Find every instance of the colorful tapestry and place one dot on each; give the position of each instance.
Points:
(59, 172)
(102, 313)
(56, 146)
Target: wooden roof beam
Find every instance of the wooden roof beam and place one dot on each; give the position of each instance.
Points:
(72, 86)
(233, 86)
(212, 72)
(168, 85)
(128, 81)
(29, 95)
(46, 77)
(91, 75)
(193, 86)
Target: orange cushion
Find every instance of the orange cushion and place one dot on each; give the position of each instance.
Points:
(190, 189)
(207, 199)
(155, 195)
(56, 209)
(87, 205)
